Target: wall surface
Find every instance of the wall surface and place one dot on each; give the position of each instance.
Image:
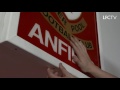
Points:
(109, 41)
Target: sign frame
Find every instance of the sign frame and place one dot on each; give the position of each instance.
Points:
(9, 35)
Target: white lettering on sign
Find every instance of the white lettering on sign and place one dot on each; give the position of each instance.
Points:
(109, 17)
(48, 38)
(39, 35)
(58, 45)
(73, 15)
(61, 47)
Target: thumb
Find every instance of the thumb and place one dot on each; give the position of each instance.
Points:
(64, 71)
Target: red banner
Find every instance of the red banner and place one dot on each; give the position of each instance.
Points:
(50, 31)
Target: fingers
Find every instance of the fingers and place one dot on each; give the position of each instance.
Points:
(75, 41)
(78, 43)
(56, 73)
(75, 48)
(82, 46)
(78, 47)
(51, 74)
(76, 59)
(64, 71)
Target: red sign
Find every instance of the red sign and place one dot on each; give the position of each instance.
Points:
(50, 31)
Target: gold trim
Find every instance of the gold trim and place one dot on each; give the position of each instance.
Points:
(74, 28)
(66, 31)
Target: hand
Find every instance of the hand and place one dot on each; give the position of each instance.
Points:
(82, 59)
(65, 73)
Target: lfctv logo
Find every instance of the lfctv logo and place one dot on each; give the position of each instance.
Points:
(109, 17)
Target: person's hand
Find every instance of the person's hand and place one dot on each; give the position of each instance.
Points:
(54, 74)
(82, 59)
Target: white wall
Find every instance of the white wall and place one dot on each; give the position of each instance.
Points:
(109, 41)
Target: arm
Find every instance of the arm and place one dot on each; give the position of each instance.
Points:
(98, 73)
(84, 62)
